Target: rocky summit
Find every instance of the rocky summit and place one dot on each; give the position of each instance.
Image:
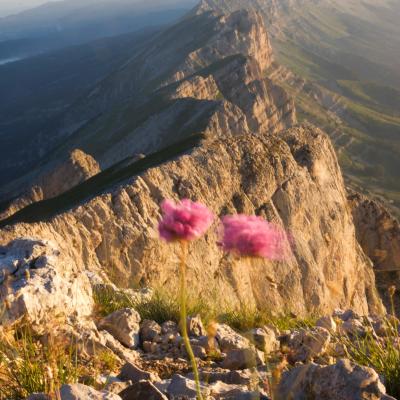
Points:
(91, 296)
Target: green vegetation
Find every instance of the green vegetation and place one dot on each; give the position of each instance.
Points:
(162, 307)
(30, 363)
(383, 357)
(26, 366)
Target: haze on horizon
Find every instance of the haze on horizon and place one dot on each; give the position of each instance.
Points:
(8, 7)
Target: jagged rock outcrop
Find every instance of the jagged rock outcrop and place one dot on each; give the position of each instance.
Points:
(57, 178)
(378, 232)
(40, 284)
(342, 381)
(204, 74)
(293, 180)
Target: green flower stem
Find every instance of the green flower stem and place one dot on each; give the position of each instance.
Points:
(184, 248)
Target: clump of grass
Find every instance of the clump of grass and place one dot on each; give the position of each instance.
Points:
(381, 354)
(27, 366)
(160, 307)
(246, 318)
(108, 300)
(37, 364)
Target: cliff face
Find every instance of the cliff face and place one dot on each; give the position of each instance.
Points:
(378, 232)
(293, 180)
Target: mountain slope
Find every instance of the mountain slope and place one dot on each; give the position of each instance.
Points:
(348, 51)
(205, 74)
(71, 22)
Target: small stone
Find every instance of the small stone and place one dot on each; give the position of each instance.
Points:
(328, 323)
(352, 327)
(229, 339)
(240, 359)
(222, 391)
(133, 373)
(195, 326)
(264, 339)
(149, 330)
(308, 344)
(184, 388)
(143, 390)
(169, 327)
(78, 391)
(124, 326)
(38, 396)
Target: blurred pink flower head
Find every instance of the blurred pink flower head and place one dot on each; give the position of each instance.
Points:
(253, 236)
(185, 220)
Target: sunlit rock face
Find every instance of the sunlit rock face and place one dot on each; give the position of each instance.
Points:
(292, 179)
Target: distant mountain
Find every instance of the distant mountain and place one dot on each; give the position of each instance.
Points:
(38, 90)
(344, 59)
(72, 22)
(205, 74)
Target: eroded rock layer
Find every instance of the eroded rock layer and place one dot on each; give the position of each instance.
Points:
(293, 180)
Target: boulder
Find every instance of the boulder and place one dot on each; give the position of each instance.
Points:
(169, 327)
(78, 391)
(124, 326)
(40, 282)
(342, 381)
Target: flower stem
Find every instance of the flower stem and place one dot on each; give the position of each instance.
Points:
(184, 248)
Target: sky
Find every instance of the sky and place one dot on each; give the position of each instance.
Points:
(14, 6)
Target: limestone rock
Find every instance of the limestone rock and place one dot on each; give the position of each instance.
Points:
(327, 323)
(149, 330)
(229, 339)
(40, 282)
(240, 359)
(244, 174)
(78, 391)
(342, 381)
(57, 178)
(378, 232)
(221, 391)
(264, 339)
(305, 345)
(124, 326)
(195, 326)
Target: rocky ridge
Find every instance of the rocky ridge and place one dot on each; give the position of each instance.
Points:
(54, 180)
(247, 163)
(116, 232)
(205, 74)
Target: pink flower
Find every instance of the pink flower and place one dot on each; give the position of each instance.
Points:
(184, 221)
(254, 237)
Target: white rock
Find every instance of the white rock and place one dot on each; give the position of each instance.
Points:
(124, 326)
